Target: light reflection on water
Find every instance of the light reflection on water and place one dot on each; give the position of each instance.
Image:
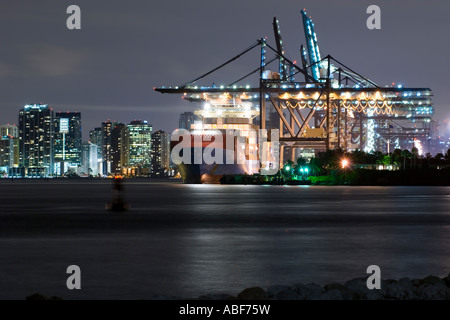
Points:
(188, 240)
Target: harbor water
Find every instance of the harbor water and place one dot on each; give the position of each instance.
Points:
(190, 240)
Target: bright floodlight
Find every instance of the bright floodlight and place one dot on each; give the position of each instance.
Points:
(344, 163)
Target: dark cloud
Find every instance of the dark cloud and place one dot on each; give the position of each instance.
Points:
(53, 61)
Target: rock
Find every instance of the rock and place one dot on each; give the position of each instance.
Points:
(337, 291)
(432, 280)
(219, 296)
(288, 294)
(406, 282)
(447, 280)
(399, 290)
(335, 286)
(359, 287)
(162, 297)
(38, 296)
(360, 291)
(255, 293)
(331, 295)
(429, 288)
(433, 288)
(393, 290)
(309, 291)
(272, 291)
(416, 282)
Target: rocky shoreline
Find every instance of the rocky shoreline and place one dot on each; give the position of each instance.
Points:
(429, 288)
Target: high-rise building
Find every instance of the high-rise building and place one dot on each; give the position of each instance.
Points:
(160, 153)
(95, 137)
(5, 155)
(9, 154)
(10, 130)
(119, 149)
(36, 139)
(67, 149)
(140, 144)
(9, 148)
(106, 145)
(187, 119)
(89, 157)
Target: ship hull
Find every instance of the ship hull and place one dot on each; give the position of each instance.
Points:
(210, 173)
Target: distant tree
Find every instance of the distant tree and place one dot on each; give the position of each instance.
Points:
(301, 162)
(315, 166)
(415, 155)
(447, 156)
(406, 155)
(439, 158)
(324, 158)
(359, 156)
(378, 156)
(287, 168)
(387, 160)
(289, 163)
(397, 156)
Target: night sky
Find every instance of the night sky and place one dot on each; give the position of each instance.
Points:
(125, 48)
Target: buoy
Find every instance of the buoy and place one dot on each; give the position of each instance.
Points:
(118, 203)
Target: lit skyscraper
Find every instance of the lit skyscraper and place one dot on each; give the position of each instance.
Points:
(36, 139)
(67, 126)
(119, 149)
(9, 154)
(106, 145)
(160, 153)
(95, 137)
(89, 156)
(9, 148)
(9, 130)
(140, 143)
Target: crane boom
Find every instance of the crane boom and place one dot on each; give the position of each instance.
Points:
(280, 49)
(312, 45)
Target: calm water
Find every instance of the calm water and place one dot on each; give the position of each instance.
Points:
(188, 240)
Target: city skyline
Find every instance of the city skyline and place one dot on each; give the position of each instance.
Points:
(79, 73)
(86, 131)
(49, 143)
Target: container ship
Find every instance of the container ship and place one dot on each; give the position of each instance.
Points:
(223, 114)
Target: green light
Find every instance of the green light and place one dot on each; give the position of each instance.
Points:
(288, 168)
(301, 169)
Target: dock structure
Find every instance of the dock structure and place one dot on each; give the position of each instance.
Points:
(333, 106)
